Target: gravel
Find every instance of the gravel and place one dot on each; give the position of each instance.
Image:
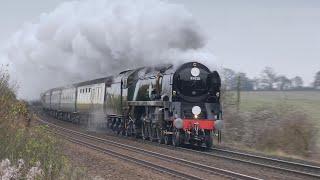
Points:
(103, 166)
(112, 168)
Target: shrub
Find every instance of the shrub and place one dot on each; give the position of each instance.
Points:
(7, 95)
(277, 128)
(33, 145)
(19, 142)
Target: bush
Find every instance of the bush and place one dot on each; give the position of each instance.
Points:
(279, 128)
(28, 152)
(32, 145)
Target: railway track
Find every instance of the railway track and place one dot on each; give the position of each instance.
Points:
(303, 169)
(274, 163)
(298, 168)
(153, 160)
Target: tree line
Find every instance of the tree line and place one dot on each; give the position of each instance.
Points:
(268, 80)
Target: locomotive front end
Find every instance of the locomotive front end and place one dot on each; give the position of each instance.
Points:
(196, 109)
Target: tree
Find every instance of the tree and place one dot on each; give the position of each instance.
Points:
(283, 83)
(245, 83)
(268, 78)
(316, 83)
(256, 83)
(297, 82)
(229, 78)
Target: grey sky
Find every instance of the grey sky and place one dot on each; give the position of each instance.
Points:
(243, 35)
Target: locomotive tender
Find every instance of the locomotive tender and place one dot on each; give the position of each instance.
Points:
(171, 105)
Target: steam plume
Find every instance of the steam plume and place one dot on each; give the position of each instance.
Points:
(86, 39)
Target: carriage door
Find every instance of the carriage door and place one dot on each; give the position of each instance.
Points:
(92, 95)
(98, 95)
(123, 93)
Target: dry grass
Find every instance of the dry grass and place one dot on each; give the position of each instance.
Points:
(278, 128)
(33, 144)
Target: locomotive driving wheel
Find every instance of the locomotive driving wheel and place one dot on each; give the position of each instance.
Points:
(167, 139)
(130, 130)
(176, 138)
(159, 135)
(152, 133)
(145, 130)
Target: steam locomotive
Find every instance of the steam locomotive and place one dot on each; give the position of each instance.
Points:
(167, 104)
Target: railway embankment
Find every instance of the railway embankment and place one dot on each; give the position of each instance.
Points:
(27, 151)
(207, 158)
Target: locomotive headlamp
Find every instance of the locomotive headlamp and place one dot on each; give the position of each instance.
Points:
(174, 93)
(196, 110)
(195, 71)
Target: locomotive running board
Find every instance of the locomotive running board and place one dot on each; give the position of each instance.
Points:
(145, 103)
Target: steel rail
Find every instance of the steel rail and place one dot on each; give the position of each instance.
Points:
(141, 162)
(268, 158)
(274, 163)
(195, 165)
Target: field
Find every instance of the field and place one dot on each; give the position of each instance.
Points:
(292, 116)
(307, 101)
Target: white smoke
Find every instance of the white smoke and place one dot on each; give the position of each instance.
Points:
(81, 40)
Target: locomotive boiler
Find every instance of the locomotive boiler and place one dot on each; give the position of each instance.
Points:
(168, 104)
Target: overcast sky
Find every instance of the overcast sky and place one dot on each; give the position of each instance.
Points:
(243, 35)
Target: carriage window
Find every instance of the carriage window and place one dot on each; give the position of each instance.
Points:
(124, 83)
